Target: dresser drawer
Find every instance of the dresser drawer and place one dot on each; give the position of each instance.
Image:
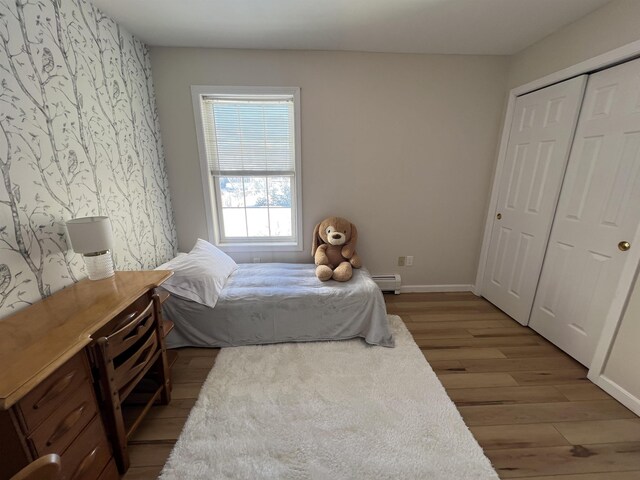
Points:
(88, 454)
(56, 432)
(43, 400)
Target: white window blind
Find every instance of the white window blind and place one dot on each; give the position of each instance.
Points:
(249, 135)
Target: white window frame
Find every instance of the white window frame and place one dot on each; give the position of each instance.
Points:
(211, 192)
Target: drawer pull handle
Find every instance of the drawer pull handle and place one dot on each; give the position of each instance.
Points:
(85, 464)
(65, 425)
(55, 390)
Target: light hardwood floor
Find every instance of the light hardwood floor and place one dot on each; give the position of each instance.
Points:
(528, 404)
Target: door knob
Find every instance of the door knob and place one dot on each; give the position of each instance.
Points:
(499, 216)
(624, 246)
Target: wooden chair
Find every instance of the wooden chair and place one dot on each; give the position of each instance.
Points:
(44, 468)
(133, 352)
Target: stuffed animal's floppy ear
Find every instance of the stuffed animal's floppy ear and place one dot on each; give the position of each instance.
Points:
(354, 236)
(349, 248)
(316, 240)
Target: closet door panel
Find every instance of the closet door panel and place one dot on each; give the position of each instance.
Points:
(599, 207)
(539, 141)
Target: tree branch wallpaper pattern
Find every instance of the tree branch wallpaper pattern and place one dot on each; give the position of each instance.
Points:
(79, 136)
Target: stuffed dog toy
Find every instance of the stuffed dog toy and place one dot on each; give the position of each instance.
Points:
(334, 249)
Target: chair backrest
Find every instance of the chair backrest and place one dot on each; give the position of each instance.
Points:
(44, 468)
(133, 350)
(131, 347)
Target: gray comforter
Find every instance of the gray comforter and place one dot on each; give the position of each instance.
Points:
(282, 302)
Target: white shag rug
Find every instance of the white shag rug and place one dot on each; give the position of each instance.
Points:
(326, 410)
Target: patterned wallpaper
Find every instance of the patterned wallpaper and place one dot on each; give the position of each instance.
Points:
(79, 136)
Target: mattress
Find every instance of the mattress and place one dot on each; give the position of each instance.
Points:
(281, 302)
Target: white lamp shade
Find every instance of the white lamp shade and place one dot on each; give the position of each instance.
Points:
(90, 234)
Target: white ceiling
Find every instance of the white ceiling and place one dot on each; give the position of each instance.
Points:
(497, 27)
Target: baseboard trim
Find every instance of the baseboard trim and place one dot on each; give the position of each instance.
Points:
(619, 393)
(436, 288)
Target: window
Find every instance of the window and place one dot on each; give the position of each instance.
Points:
(249, 141)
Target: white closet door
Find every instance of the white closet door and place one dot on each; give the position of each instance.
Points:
(539, 143)
(598, 210)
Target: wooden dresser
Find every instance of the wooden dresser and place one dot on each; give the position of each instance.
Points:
(47, 398)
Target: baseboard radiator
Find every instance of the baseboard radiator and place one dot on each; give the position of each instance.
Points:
(388, 283)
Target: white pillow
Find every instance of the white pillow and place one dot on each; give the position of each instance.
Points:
(164, 265)
(200, 275)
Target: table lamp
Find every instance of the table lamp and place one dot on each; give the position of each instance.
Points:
(93, 238)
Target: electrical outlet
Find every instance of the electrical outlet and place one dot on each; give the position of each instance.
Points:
(401, 261)
(409, 261)
(256, 259)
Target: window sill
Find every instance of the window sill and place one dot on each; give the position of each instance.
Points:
(260, 247)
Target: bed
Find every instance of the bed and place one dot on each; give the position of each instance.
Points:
(281, 302)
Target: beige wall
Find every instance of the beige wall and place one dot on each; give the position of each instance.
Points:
(609, 27)
(623, 363)
(403, 145)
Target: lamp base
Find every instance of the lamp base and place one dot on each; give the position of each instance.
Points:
(99, 266)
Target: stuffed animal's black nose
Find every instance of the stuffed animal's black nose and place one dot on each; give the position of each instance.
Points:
(336, 236)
